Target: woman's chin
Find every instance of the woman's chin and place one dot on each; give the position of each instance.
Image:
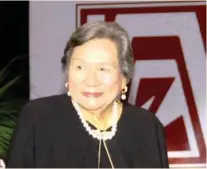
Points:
(92, 106)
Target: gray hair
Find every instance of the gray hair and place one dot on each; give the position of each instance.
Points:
(105, 30)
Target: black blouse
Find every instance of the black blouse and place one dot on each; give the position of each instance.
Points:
(50, 135)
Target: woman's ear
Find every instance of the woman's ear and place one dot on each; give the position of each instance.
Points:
(124, 82)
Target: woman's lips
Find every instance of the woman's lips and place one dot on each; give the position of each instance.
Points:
(90, 94)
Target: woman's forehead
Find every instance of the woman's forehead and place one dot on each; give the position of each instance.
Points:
(100, 50)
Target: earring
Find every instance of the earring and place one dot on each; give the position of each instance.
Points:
(123, 94)
(66, 86)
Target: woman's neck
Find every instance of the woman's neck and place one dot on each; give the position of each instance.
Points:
(102, 119)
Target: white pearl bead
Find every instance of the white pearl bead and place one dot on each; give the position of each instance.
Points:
(123, 96)
(97, 134)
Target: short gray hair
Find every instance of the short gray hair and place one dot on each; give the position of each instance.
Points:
(103, 30)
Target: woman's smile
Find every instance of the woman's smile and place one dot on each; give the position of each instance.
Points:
(92, 94)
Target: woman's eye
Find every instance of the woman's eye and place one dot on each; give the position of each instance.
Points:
(79, 67)
(104, 69)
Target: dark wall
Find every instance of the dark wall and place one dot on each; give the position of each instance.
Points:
(14, 42)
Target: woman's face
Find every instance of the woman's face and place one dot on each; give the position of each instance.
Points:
(94, 76)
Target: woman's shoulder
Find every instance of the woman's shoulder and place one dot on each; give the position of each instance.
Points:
(140, 124)
(47, 100)
(140, 116)
(46, 106)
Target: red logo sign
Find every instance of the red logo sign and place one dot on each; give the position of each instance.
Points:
(168, 42)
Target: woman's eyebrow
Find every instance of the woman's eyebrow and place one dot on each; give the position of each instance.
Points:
(100, 62)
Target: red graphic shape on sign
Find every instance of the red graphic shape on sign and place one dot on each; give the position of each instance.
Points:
(162, 48)
(149, 87)
(110, 13)
(177, 140)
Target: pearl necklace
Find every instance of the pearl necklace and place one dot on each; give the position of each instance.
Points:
(100, 135)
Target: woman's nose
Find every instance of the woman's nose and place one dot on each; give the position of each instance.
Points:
(91, 79)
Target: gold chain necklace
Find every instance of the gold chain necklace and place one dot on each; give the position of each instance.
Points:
(101, 136)
(107, 152)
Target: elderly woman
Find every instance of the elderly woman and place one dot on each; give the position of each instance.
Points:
(90, 126)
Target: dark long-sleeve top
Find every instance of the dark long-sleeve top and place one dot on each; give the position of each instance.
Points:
(50, 134)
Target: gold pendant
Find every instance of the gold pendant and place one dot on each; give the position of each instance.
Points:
(103, 134)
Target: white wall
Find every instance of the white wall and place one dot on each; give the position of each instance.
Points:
(51, 24)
